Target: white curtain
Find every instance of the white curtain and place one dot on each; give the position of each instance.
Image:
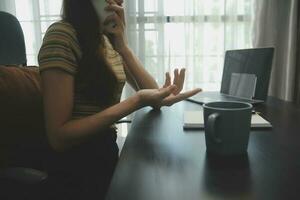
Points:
(167, 34)
(276, 25)
(8, 6)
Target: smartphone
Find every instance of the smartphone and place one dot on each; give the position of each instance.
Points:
(99, 6)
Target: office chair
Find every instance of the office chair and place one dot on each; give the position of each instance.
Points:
(12, 44)
(15, 182)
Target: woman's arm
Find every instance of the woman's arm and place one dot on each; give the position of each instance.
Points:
(63, 133)
(138, 77)
(136, 72)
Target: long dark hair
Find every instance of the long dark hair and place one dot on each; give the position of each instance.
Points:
(95, 77)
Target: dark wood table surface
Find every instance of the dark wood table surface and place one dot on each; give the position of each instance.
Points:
(161, 161)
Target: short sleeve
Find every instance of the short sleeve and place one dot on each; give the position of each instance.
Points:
(59, 49)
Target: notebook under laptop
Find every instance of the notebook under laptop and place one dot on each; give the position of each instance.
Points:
(246, 76)
(195, 120)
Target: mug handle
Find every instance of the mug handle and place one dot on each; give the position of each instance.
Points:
(211, 123)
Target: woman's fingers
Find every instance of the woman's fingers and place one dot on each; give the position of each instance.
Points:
(119, 2)
(190, 93)
(117, 9)
(167, 80)
(175, 81)
(111, 1)
(181, 79)
(178, 80)
(176, 76)
(165, 92)
(180, 97)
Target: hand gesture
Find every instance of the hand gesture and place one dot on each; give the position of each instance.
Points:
(169, 94)
(116, 33)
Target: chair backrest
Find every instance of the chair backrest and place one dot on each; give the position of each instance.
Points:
(22, 125)
(12, 44)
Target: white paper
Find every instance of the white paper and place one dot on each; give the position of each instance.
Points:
(194, 119)
(242, 85)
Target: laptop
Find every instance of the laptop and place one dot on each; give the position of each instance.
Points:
(246, 77)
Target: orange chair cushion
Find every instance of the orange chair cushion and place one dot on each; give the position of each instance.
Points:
(21, 110)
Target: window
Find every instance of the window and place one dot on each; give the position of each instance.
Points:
(189, 33)
(35, 17)
(165, 34)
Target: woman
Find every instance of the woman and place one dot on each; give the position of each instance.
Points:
(84, 66)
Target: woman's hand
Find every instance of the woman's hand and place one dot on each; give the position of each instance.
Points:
(119, 2)
(116, 33)
(154, 97)
(178, 80)
(169, 94)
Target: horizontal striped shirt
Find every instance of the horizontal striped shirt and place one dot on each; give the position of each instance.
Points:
(61, 50)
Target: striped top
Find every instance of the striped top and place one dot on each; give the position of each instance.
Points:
(60, 50)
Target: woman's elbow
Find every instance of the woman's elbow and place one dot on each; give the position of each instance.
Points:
(56, 142)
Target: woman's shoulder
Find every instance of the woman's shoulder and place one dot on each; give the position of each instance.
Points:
(63, 29)
(61, 26)
(60, 48)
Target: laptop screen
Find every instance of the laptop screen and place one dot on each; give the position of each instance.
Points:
(247, 73)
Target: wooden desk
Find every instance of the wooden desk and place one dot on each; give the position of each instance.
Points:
(161, 161)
